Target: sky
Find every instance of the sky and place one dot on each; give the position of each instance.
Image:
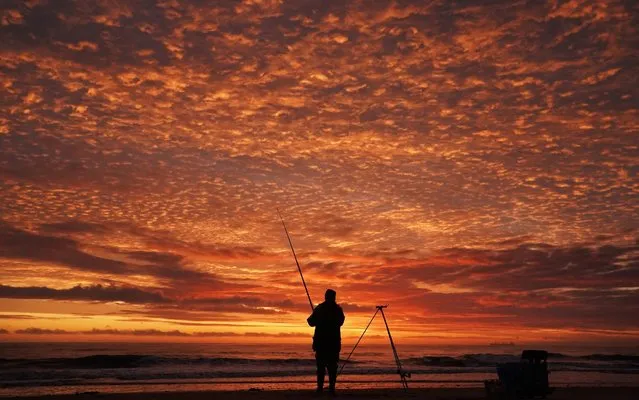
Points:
(472, 164)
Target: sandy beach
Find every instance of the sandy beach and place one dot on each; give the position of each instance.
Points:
(581, 393)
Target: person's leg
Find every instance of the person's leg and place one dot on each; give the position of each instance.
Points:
(321, 365)
(331, 365)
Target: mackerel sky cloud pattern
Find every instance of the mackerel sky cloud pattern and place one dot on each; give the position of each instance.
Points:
(473, 163)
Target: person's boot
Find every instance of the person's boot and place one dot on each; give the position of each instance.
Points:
(331, 385)
(320, 384)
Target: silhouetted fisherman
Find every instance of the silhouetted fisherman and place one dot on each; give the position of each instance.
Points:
(327, 318)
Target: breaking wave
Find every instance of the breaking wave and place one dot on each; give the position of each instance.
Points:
(609, 363)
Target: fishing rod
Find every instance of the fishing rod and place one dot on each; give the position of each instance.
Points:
(296, 262)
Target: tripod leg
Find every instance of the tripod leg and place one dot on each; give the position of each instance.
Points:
(402, 377)
(358, 340)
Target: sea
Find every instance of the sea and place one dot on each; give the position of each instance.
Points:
(28, 369)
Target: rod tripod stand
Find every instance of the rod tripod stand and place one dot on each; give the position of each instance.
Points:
(402, 374)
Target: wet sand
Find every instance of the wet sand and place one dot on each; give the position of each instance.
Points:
(580, 393)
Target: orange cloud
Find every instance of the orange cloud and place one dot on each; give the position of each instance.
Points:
(471, 163)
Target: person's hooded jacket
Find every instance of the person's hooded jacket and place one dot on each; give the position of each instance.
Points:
(327, 318)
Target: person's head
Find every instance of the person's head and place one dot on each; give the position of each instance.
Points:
(330, 295)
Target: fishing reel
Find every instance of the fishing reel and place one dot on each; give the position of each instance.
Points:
(403, 374)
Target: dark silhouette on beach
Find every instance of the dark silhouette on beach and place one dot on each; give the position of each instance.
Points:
(327, 318)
